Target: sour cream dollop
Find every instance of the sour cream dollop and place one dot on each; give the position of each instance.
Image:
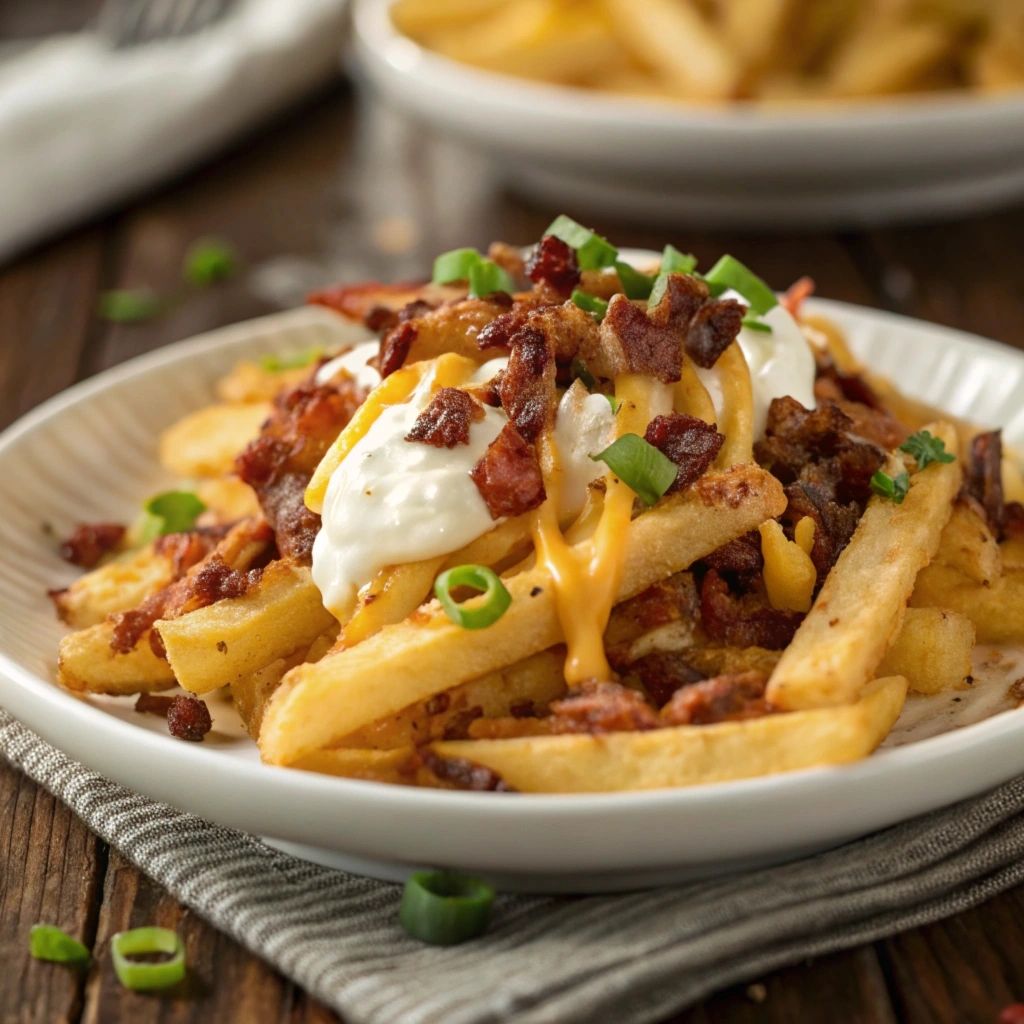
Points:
(354, 362)
(583, 427)
(781, 363)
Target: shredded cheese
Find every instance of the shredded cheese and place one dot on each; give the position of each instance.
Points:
(789, 573)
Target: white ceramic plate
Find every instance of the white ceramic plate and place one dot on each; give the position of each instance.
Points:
(735, 166)
(90, 454)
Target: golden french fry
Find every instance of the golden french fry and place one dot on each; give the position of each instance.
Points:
(1012, 553)
(738, 417)
(368, 765)
(422, 17)
(317, 705)
(968, 545)
(249, 382)
(691, 754)
(932, 650)
(997, 610)
(206, 442)
(393, 596)
(87, 662)
(860, 608)
(235, 637)
(115, 587)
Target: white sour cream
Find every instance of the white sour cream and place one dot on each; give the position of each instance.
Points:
(583, 427)
(781, 363)
(394, 501)
(354, 362)
(489, 370)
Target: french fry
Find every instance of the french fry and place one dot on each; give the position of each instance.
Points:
(1011, 551)
(690, 754)
(115, 587)
(87, 663)
(968, 545)
(997, 610)
(317, 705)
(249, 382)
(212, 646)
(932, 650)
(393, 596)
(206, 442)
(861, 606)
(367, 765)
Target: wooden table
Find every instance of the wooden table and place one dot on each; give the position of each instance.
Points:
(326, 192)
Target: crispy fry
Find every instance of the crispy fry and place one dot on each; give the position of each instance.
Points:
(967, 545)
(88, 663)
(249, 382)
(393, 596)
(997, 610)
(206, 442)
(368, 765)
(214, 645)
(317, 705)
(933, 650)
(691, 754)
(860, 608)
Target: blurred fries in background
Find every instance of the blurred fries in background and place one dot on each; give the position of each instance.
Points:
(711, 50)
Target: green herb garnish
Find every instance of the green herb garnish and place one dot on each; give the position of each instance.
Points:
(483, 275)
(926, 449)
(590, 303)
(728, 272)
(144, 976)
(658, 290)
(444, 908)
(290, 360)
(478, 615)
(635, 285)
(176, 511)
(580, 371)
(208, 261)
(753, 324)
(592, 251)
(675, 262)
(129, 305)
(455, 265)
(47, 942)
(640, 466)
(894, 488)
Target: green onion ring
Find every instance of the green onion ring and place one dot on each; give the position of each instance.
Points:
(480, 614)
(47, 942)
(728, 272)
(639, 465)
(144, 977)
(443, 908)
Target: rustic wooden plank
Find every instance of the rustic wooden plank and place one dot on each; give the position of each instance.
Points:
(46, 313)
(961, 970)
(224, 983)
(51, 867)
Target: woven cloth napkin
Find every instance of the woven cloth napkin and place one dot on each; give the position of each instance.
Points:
(629, 959)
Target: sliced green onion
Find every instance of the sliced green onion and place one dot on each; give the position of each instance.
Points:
(444, 908)
(658, 290)
(144, 977)
(635, 284)
(590, 303)
(483, 612)
(486, 277)
(892, 487)
(675, 262)
(455, 265)
(580, 371)
(640, 466)
(177, 510)
(753, 324)
(291, 360)
(926, 449)
(209, 260)
(613, 402)
(47, 942)
(728, 272)
(129, 305)
(592, 251)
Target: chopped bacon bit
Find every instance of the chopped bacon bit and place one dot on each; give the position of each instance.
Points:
(664, 672)
(90, 542)
(1014, 519)
(795, 294)
(394, 347)
(661, 603)
(380, 318)
(295, 526)
(984, 478)
(688, 441)
(463, 774)
(838, 385)
(727, 698)
(747, 621)
(457, 727)
(186, 549)
(741, 558)
(153, 704)
(554, 261)
(527, 386)
(357, 301)
(445, 422)
(630, 341)
(188, 718)
(597, 708)
(713, 329)
(684, 296)
(438, 704)
(500, 331)
(508, 476)
(834, 523)
(524, 708)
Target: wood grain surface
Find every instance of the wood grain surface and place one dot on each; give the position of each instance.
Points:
(328, 192)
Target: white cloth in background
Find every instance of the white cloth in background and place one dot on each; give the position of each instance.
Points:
(83, 126)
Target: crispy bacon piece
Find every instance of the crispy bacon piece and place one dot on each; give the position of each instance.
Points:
(153, 704)
(834, 523)
(597, 708)
(723, 699)
(463, 774)
(984, 478)
(445, 422)
(358, 301)
(689, 442)
(90, 542)
(188, 718)
(629, 341)
(713, 329)
(664, 672)
(527, 386)
(661, 603)
(394, 347)
(746, 621)
(740, 558)
(508, 476)
(553, 261)
(1014, 519)
(684, 296)
(500, 331)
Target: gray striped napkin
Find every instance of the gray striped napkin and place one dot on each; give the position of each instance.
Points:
(629, 959)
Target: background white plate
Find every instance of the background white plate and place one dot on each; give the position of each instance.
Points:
(90, 454)
(740, 165)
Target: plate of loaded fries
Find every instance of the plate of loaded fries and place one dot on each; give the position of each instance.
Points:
(576, 568)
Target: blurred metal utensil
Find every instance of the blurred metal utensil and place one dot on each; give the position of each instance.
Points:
(127, 23)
